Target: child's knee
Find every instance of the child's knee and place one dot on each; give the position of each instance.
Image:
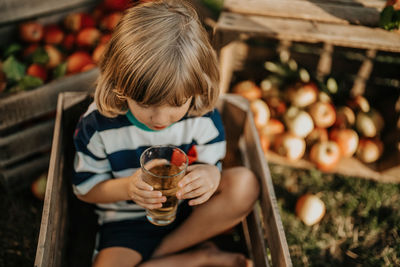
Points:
(243, 186)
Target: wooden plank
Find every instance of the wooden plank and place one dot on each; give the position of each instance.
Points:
(307, 31)
(20, 107)
(348, 166)
(274, 228)
(255, 239)
(16, 147)
(12, 11)
(307, 10)
(378, 4)
(45, 249)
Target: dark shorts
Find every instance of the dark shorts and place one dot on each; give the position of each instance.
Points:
(139, 234)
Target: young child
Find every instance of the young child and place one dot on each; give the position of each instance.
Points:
(157, 86)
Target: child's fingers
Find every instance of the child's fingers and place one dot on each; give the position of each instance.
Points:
(142, 185)
(194, 185)
(195, 193)
(200, 200)
(190, 177)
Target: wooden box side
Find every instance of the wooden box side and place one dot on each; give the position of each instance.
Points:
(264, 221)
(52, 243)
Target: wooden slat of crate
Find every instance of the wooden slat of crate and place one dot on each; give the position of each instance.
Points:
(23, 144)
(330, 12)
(231, 26)
(24, 106)
(52, 239)
(12, 10)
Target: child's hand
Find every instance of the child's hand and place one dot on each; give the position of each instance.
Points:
(199, 184)
(142, 193)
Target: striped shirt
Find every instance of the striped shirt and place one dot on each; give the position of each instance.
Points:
(109, 148)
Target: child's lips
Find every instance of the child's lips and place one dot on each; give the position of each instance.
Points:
(159, 127)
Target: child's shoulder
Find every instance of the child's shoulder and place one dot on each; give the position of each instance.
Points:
(93, 119)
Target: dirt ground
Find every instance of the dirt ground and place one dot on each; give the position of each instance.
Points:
(20, 221)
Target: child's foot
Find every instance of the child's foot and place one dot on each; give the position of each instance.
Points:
(216, 257)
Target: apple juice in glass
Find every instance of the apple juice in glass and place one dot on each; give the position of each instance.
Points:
(163, 167)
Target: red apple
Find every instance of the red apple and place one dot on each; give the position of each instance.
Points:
(38, 187)
(273, 127)
(260, 112)
(277, 106)
(316, 135)
(117, 5)
(310, 209)
(38, 71)
(76, 21)
(394, 3)
(247, 89)
(53, 34)
(369, 124)
(269, 131)
(302, 94)
(29, 50)
(265, 142)
(69, 41)
(298, 122)
(347, 140)
(110, 21)
(359, 103)
(88, 37)
(98, 52)
(323, 114)
(345, 117)
(77, 61)
(55, 56)
(89, 67)
(31, 31)
(325, 155)
(105, 38)
(290, 146)
(369, 149)
(3, 78)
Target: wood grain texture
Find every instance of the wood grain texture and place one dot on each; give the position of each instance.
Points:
(24, 106)
(308, 31)
(12, 11)
(320, 11)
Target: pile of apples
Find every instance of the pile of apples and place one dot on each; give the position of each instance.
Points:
(47, 52)
(299, 119)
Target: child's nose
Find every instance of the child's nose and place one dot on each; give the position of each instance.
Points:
(159, 117)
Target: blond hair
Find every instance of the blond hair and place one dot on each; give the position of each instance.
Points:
(159, 54)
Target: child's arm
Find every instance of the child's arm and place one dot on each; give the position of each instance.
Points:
(126, 188)
(199, 184)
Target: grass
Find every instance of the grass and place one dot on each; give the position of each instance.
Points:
(361, 226)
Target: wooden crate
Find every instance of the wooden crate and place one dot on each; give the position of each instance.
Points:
(27, 118)
(62, 244)
(336, 37)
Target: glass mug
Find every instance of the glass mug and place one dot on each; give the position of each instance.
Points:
(163, 167)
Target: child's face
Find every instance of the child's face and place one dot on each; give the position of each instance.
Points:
(158, 117)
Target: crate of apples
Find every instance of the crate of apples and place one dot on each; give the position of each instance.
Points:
(42, 53)
(299, 119)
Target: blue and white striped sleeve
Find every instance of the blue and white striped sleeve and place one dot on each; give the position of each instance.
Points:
(210, 138)
(91, 165)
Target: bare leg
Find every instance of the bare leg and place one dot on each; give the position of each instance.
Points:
(117, 256)
(206, 255)
(234, 199)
